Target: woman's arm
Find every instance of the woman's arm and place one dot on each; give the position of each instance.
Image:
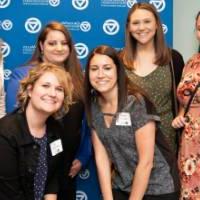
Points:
(180, 120)
(145, 142)
(103, 167)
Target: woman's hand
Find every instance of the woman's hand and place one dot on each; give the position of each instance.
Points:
(179, 122)
(75, 168)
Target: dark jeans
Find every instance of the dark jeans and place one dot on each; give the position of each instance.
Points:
(120, 195)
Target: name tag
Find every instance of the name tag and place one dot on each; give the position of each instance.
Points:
(123, 119)
(56, 147)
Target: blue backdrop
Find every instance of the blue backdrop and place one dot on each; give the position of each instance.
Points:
(91, 23)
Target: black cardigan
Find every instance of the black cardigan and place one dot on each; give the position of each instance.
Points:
(19, 155)
(177, 65)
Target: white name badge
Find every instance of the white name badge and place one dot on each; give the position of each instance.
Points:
(56, 147)
(123, 119)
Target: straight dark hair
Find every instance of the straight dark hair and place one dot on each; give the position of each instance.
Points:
(123, 90)
(128, 54)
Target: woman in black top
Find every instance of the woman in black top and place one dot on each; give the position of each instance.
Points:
(30, 138)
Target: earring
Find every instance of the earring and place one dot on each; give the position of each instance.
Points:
(93, 92)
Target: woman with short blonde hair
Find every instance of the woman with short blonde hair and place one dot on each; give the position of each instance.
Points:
(31, 145)
(63, 77)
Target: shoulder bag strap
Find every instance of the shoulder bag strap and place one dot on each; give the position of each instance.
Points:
(191, 98)
(174, 86)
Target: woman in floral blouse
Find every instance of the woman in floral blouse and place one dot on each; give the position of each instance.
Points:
(189, 153)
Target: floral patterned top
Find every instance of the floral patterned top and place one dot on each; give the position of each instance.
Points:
(189, 154)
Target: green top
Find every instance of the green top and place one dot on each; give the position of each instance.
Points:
(157, 85)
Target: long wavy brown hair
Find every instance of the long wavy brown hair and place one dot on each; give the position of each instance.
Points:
(71, 64)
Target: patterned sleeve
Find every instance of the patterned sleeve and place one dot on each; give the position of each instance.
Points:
(142, 112)
(194, 60)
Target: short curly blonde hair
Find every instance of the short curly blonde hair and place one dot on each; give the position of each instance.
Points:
(35, 73)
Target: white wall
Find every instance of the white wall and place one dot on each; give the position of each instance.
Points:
(184, 39)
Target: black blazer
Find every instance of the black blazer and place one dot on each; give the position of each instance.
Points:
(19, 155)
(71, 123)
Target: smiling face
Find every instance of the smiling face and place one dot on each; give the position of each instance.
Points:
(46, 95)
(103, 74)
(55, 48)
(142, 26)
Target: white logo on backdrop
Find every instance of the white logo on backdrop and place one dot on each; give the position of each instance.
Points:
(81, 50)
(7, 25)
(28, 49)
(165, 28)
(54, 3)
(7, 74)
(5, 49)
(159, 4)
(130, 3)
(85, 26)
(84, 174)
(80, 195)
(4, 3)
(111, 27)
(80, 4)
(33, 25)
